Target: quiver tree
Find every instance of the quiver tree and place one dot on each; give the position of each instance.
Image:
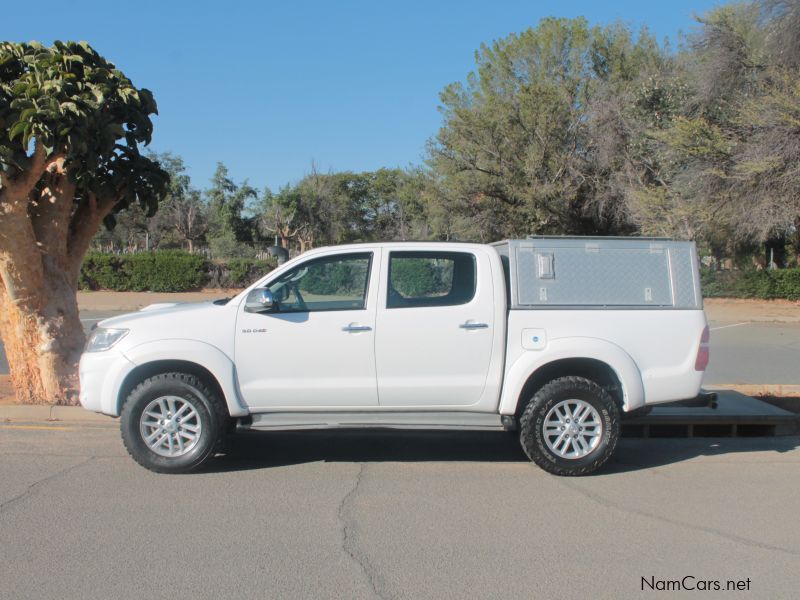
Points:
(70, 128)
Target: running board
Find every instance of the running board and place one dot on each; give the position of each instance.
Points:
(282, 421)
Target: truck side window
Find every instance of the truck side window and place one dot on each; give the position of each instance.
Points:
(329, 283)
(430, 279)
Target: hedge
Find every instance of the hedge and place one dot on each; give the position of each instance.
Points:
(763, 285)
(167, 271)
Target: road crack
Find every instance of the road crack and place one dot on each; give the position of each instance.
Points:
(606, 502)
(40, 482)
(350, 547)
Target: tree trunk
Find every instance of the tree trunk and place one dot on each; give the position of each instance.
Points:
(43, 341)
(796, 242)
(42, 245)
(775, 251)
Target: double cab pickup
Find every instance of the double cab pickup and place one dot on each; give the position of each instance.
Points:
(554, 338)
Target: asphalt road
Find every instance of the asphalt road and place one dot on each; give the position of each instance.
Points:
(392, 515)
(754, 353)
(741, 353)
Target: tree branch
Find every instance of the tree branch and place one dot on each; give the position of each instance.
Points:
(84, 225)
(18, 189)
(50, 211)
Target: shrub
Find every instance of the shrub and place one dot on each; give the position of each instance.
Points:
(101, 271)
(226, 247)
(787, 283)
(167, 271)
(158, 271)
(415, 277)
(764, 285)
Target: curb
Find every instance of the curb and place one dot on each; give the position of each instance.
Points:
(779, 390)
(50, 414)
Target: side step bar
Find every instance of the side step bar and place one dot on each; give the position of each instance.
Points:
(285, 421)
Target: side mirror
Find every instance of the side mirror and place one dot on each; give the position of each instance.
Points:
(259, 300)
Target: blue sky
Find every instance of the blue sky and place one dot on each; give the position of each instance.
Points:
(268, 87)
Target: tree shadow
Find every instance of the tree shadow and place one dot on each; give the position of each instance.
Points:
(261, 450)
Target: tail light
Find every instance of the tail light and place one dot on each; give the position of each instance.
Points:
(701, 362)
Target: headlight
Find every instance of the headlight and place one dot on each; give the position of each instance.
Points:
(102, 339)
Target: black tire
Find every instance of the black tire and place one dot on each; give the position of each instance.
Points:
(210, 410)
(550, 395)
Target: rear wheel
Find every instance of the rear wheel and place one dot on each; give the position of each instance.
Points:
(172, 422)
(570, 426)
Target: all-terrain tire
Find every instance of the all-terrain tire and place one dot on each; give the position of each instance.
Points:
(209, 413)
(532, 425)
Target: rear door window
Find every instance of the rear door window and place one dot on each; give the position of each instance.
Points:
(430, 278)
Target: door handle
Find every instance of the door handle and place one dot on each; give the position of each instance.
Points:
(353, 328)
(473, 325)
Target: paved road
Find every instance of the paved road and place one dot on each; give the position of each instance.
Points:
(391, 515)
(751, 353)
(754, 353)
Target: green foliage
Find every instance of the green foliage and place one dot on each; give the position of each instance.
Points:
(75, 103)
(226, 247)
(344, 207)
(227, 202)
(415, 277)
(167, 271)
(335, 278)
(103, 271)
(763, 285)
(159, 271)
(531, 141)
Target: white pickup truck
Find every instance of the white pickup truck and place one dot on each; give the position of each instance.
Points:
(555, 337)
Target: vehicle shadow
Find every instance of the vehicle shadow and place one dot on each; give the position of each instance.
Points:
(636, 454)
(259, 450)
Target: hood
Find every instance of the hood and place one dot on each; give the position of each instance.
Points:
(166, 311)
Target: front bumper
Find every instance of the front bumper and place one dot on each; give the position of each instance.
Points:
(101, 376)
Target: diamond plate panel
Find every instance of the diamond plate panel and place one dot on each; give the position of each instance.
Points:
(596, 276)
(683, 268)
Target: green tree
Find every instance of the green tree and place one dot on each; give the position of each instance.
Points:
(336, 208)
(182, 218)
(728, 155)
(71, 124)
(229, 231)
(516, 153)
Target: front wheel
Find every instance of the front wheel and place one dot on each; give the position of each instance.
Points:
(570, 426)
(172, 422)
